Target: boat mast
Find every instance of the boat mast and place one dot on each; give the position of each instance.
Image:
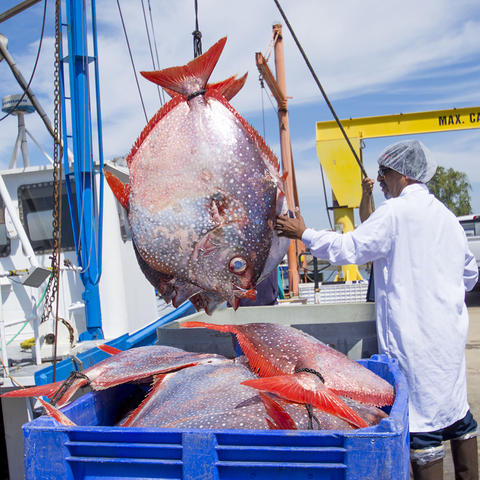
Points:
(88, 225)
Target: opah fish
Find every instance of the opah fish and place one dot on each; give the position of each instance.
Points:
(204, 189)
(204, 396)
(133, 365)
(302, 369)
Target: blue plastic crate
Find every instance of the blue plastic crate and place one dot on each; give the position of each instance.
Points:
(93, 450)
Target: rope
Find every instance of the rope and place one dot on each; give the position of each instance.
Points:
(66, 385)
(197, 35)
(34, 66)
(262, 88)
(131, 60)
(312, 371)
(311, 416)
(155, 45)
(317, 81)
(325, 197)
(150, 48)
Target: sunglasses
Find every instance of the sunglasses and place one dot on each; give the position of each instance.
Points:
(382, 171)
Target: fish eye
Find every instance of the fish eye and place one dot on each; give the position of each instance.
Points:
(237, 265)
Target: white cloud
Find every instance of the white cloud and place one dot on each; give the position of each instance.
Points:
(419, 54)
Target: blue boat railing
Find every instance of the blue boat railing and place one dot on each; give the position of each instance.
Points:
(144, 336)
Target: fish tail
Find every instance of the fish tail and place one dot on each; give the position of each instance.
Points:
(120, 190)
(229, 87)
(287, 387)
(281, 420)
(193, 76)
(57, 414)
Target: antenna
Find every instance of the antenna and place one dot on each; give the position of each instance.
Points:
(16, 105)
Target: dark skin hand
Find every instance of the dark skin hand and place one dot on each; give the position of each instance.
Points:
(290, 227)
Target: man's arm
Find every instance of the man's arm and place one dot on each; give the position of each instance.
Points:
(470, 272)
(366, 207)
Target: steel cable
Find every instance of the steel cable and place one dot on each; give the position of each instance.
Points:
(317, 81)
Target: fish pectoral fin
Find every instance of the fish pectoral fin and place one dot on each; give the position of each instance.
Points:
(179, 79)
(279, 418)
(57, 414)
(291, 388)
(120, 190)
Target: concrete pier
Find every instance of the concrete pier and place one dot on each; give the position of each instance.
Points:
(473, 370)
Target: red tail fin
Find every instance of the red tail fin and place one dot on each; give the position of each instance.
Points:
(57, 414)
(290, 387)
(281, 419)
(229, 87)
(119, 189)
(191, 77)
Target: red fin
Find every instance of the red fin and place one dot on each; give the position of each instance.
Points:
(57, 414)
(37, 391)
(271, 425)
(229, 87)
(191, 77)
(170, 92)
(49, 390)
(258, 363)
(212, 326)
(289, 387)
(235, 303)
(119, 189)
(108, 349)
(281, 419)
(134, 414)
(251, 294)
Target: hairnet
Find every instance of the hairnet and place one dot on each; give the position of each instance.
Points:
(410, 158)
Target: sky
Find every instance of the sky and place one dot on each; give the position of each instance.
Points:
(371, 57)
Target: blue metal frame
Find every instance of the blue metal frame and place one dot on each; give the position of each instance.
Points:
(145, 336)
(87, 217)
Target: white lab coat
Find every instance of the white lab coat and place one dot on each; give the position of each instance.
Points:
(422, 267)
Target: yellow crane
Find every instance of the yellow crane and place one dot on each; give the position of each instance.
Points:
(343, 171)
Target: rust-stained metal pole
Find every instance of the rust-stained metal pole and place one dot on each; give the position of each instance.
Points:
(278, 88)
(286, 153)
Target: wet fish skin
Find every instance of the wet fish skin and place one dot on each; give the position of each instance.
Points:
(133, 365)
(203, 396)
(280, 354)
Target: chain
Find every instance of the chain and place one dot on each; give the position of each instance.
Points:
(53, 284)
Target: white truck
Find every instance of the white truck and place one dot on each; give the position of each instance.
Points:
(471, 225)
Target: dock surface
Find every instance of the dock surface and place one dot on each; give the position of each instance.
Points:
(473, 370)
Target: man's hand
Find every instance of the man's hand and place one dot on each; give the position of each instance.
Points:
(367, 186)
(290, 227)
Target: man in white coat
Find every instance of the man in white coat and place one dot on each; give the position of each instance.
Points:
(422, 266)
